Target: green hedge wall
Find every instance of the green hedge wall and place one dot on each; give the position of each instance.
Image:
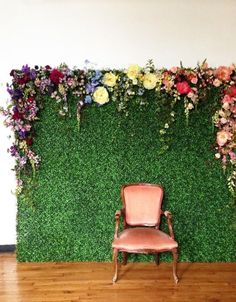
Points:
(77, 188)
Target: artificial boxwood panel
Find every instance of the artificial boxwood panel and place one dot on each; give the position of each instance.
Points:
(77, 188)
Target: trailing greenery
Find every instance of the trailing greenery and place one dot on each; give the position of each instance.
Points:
(77, 189)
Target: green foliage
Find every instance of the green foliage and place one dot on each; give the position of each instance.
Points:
(77, 188)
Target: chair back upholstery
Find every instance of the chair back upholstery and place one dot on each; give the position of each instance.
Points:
(142, 204)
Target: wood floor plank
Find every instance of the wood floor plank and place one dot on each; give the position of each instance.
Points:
(91, 281)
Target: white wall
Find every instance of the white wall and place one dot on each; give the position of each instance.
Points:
(112, 34)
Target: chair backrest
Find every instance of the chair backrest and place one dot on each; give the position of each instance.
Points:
(142, 203)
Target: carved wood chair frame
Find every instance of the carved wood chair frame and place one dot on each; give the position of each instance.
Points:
(121, 213)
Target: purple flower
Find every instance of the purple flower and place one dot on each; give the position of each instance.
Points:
(15, 109)
(33, 74)
(10, 90)
(96, 77)
(90, 88)
(25, 68)
(17, 94)
(22, 134)
(88, 99)
(98, 74)
(50, 89)
(94, 82)
(22, 160)
(13, 150)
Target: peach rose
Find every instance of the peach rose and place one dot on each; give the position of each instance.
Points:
(168, 83)
(222, 137)
(217, 82)
(225, 106)
(223, 73)
(222, 113)
(192, 77)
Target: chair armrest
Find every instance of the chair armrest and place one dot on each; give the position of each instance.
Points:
(117, 214)
(117, 219)
(169, 217)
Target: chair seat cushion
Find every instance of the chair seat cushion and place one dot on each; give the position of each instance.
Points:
(140, 239)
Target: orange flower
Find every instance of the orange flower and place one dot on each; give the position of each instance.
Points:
(223, 73)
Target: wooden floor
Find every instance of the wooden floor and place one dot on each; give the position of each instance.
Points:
(31, 282)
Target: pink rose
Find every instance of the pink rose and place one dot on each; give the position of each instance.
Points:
(227, 99)
(174, 69)
(183, 87)
(194, 80)
(233, 109)
(168, 84)
(223, 73)
(192, 77)
(232, 155)
(222, 137)
(223, 120)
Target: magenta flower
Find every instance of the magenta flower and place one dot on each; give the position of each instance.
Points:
(183, 87)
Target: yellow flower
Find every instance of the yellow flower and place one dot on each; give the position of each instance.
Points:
(140, 77)
(133, 71)
(23, 145)
(109, 79)
(101, 95)
(150, 81)
(61, 89)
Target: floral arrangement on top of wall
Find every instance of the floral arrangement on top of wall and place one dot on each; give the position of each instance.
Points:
(178, 84)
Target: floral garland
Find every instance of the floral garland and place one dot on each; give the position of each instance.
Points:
(186, 85)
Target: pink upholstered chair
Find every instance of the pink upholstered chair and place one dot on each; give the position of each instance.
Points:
(141, 214)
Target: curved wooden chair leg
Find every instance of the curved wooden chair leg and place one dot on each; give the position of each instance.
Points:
(175, 259)
(157, 258)
(115, 262)
(125, 256)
